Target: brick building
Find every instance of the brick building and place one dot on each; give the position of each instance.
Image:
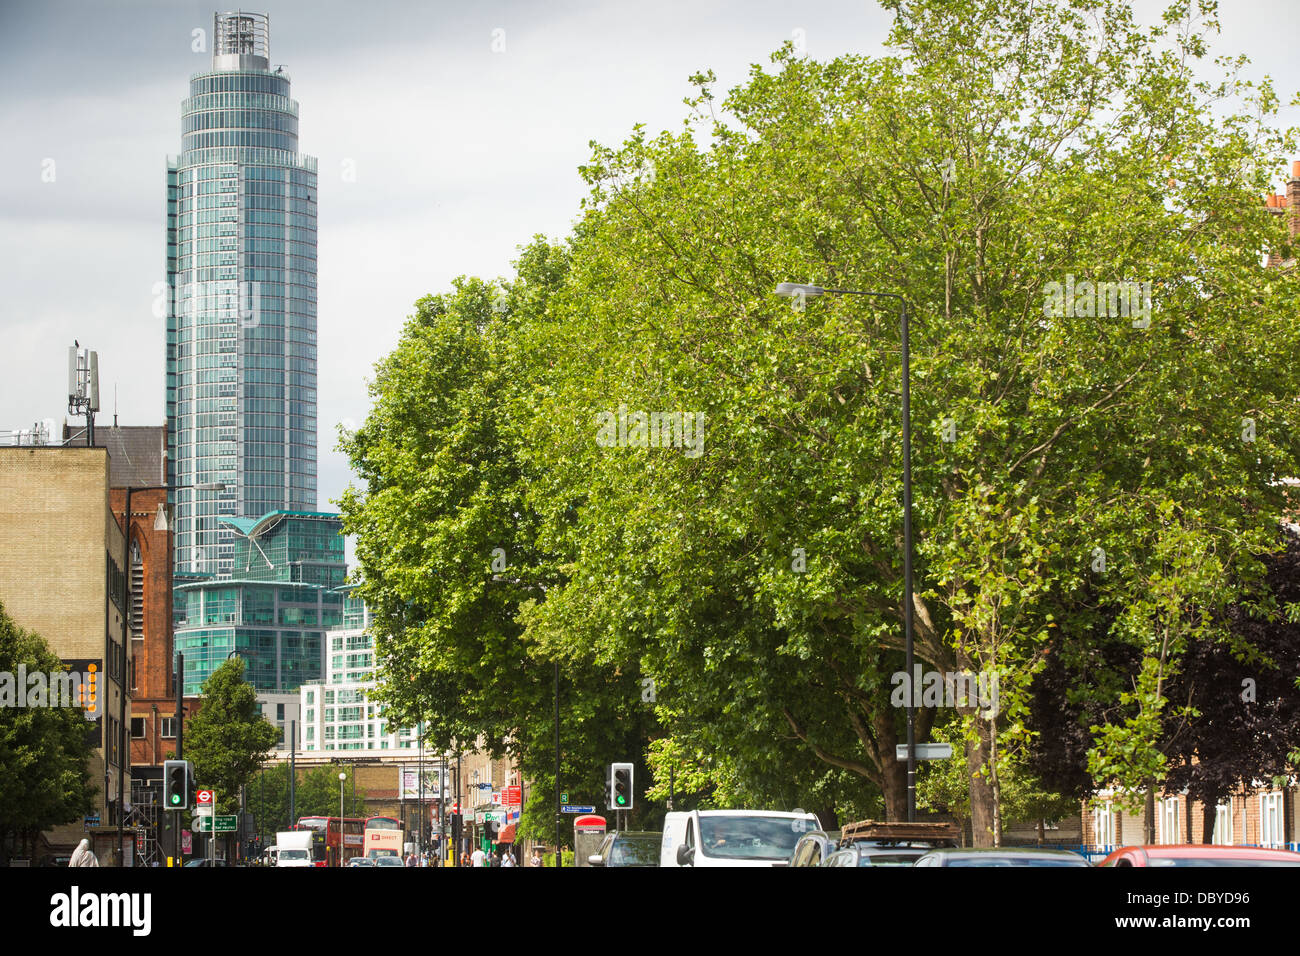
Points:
(62, 576)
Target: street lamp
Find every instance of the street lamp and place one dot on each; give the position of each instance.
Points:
(342, 830)
(801, 291)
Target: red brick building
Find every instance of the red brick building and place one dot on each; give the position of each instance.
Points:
(138, 500)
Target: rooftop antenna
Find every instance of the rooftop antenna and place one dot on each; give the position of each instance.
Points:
(115, 404)
(83, 386)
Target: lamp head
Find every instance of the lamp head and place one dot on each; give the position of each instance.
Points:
(792, 289)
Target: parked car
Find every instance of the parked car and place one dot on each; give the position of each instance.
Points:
(361, 861)
(860, 854)
(388, 861)
(628, 848)
(814, 847)
(708, 838)
(204, 861)
(872, 837)
(1001, 856)
(1200, 855)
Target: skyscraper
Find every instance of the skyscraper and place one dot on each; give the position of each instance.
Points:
(241, 316)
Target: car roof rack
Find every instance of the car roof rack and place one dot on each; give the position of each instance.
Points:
(889, 832)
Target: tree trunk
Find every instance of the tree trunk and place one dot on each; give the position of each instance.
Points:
(981, 792)
(1209, 814)
(1042, 836)
(995, 785)
(893, 772)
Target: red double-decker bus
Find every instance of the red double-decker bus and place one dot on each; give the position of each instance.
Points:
(336, 845)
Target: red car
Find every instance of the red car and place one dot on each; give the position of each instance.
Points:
(1200, 855)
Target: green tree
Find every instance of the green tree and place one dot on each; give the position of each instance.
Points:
(44, 751)
(228, 739)
(1076, 144)
(316, 794)
(447, 553)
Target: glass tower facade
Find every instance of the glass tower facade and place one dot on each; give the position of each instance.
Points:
(285, 591)
(241, 312)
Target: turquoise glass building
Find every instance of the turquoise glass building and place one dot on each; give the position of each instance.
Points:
(241, 311)
(284, 592)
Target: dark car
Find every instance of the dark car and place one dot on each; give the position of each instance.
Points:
(1200, 855)
(204, 861)
(1001, 856)
(628, 848)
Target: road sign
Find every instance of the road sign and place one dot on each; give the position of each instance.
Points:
(511, 796)
(925, 751)
(204, 798)
(568, 809)
(564, 798)
(227, 824)
(201, 824)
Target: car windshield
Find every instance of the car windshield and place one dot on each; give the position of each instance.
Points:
(293, 854)
(758, 838)
(635, 851)
(889, 859)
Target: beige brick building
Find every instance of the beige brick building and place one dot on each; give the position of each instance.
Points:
(63, 567)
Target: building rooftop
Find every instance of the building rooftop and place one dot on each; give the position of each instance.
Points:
(137, 454)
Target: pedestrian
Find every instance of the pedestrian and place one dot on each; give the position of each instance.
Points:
(82, 855)
(410, 859)
(478, 857)
(508, 858)
(537, 858)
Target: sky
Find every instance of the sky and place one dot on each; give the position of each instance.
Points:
(448, 134)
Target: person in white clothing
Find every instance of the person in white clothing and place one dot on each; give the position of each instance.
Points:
(478, 858)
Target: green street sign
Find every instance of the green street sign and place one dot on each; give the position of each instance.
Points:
(227, 824)
(564, 798)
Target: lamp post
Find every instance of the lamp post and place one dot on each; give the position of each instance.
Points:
(799, 290)
(342, 829)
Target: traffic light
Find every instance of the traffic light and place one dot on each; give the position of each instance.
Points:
(620, 786)
(176, 784)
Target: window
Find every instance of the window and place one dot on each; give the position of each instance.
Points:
(1270, 819)
(279, 711)
(137, 593)
(1223, 824)
(137, 728)
(168, 727)
(1103, 824)
(1169, 821)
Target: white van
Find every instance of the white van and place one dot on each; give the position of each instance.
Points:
(733, 837)
(293, 848)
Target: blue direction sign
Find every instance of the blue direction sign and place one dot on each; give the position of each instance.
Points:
(568, 809)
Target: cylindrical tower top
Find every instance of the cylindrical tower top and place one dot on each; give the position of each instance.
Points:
(241, 41)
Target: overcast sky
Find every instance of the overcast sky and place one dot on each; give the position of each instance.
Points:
(460, 154)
